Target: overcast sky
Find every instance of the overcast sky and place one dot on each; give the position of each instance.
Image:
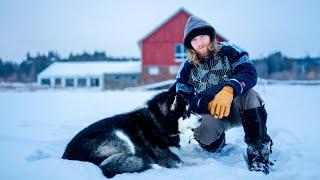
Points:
(115, 26)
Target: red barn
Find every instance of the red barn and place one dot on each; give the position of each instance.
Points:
(162, 50)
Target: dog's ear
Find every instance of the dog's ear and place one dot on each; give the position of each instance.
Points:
(183, 103)
(180, 105)
(172, 89)
(187, 113)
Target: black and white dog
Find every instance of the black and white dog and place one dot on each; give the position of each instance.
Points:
(133, 141)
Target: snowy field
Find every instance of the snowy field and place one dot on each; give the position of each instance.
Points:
(36, 126)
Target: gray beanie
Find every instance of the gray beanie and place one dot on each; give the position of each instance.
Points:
(196, 26)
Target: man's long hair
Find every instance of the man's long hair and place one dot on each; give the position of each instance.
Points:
(194, 59)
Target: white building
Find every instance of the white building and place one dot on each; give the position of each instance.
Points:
(99, 74)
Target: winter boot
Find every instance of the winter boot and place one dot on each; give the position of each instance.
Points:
(258, 156)
(216, 146)
(259, 143)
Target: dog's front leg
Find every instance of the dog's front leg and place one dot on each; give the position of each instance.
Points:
(166, 158)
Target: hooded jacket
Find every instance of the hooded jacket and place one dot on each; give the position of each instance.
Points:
(231, 67)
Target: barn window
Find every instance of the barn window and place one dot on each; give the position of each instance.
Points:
(45, 82)
(173, 70)
(153, 70)
(57, 81)
(82, 82)
(117, 77)
(94, 82)
(180, 54)
(133, 77)
(69, 82)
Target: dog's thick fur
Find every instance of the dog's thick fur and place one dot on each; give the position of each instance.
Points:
(133, 141)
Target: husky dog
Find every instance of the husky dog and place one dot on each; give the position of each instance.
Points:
(132, 142)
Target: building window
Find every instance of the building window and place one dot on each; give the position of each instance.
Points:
(82, 82)
(180, 54)
(117, 77)
(133, 77)
(45, 82)
(154, 70)
(57, 82)
(173, 70)
(69, 82)
(94, 82)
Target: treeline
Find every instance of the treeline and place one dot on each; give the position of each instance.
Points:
(279, 67)
(274, 66)
(31, 66)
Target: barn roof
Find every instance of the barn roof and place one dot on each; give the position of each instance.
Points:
(181, 10)
(91, 68)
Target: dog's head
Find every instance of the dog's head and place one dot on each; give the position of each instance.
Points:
(167, 107)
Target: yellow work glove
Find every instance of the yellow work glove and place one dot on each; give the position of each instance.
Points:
(220, 106)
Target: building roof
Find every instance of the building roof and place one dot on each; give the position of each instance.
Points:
(91, 68)
(181, 10)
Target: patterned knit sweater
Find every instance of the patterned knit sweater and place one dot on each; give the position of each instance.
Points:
(231, 66)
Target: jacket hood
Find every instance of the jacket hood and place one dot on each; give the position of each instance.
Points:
(196, 26)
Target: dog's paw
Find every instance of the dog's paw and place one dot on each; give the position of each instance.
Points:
(169, 163)
(178, 164)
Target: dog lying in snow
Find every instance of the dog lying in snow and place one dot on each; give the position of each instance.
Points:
(133, 141)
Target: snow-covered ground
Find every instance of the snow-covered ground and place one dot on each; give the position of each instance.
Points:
(36, 126)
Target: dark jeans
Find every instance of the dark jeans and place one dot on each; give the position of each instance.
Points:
(211, 128)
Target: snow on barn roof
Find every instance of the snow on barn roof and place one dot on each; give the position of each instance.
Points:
(91, 68)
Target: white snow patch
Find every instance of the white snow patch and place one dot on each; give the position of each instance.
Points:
(36, 127)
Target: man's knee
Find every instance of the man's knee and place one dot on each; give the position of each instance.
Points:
(210, 129)
(248, 100)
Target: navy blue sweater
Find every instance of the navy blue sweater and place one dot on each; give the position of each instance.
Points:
(231, 67)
